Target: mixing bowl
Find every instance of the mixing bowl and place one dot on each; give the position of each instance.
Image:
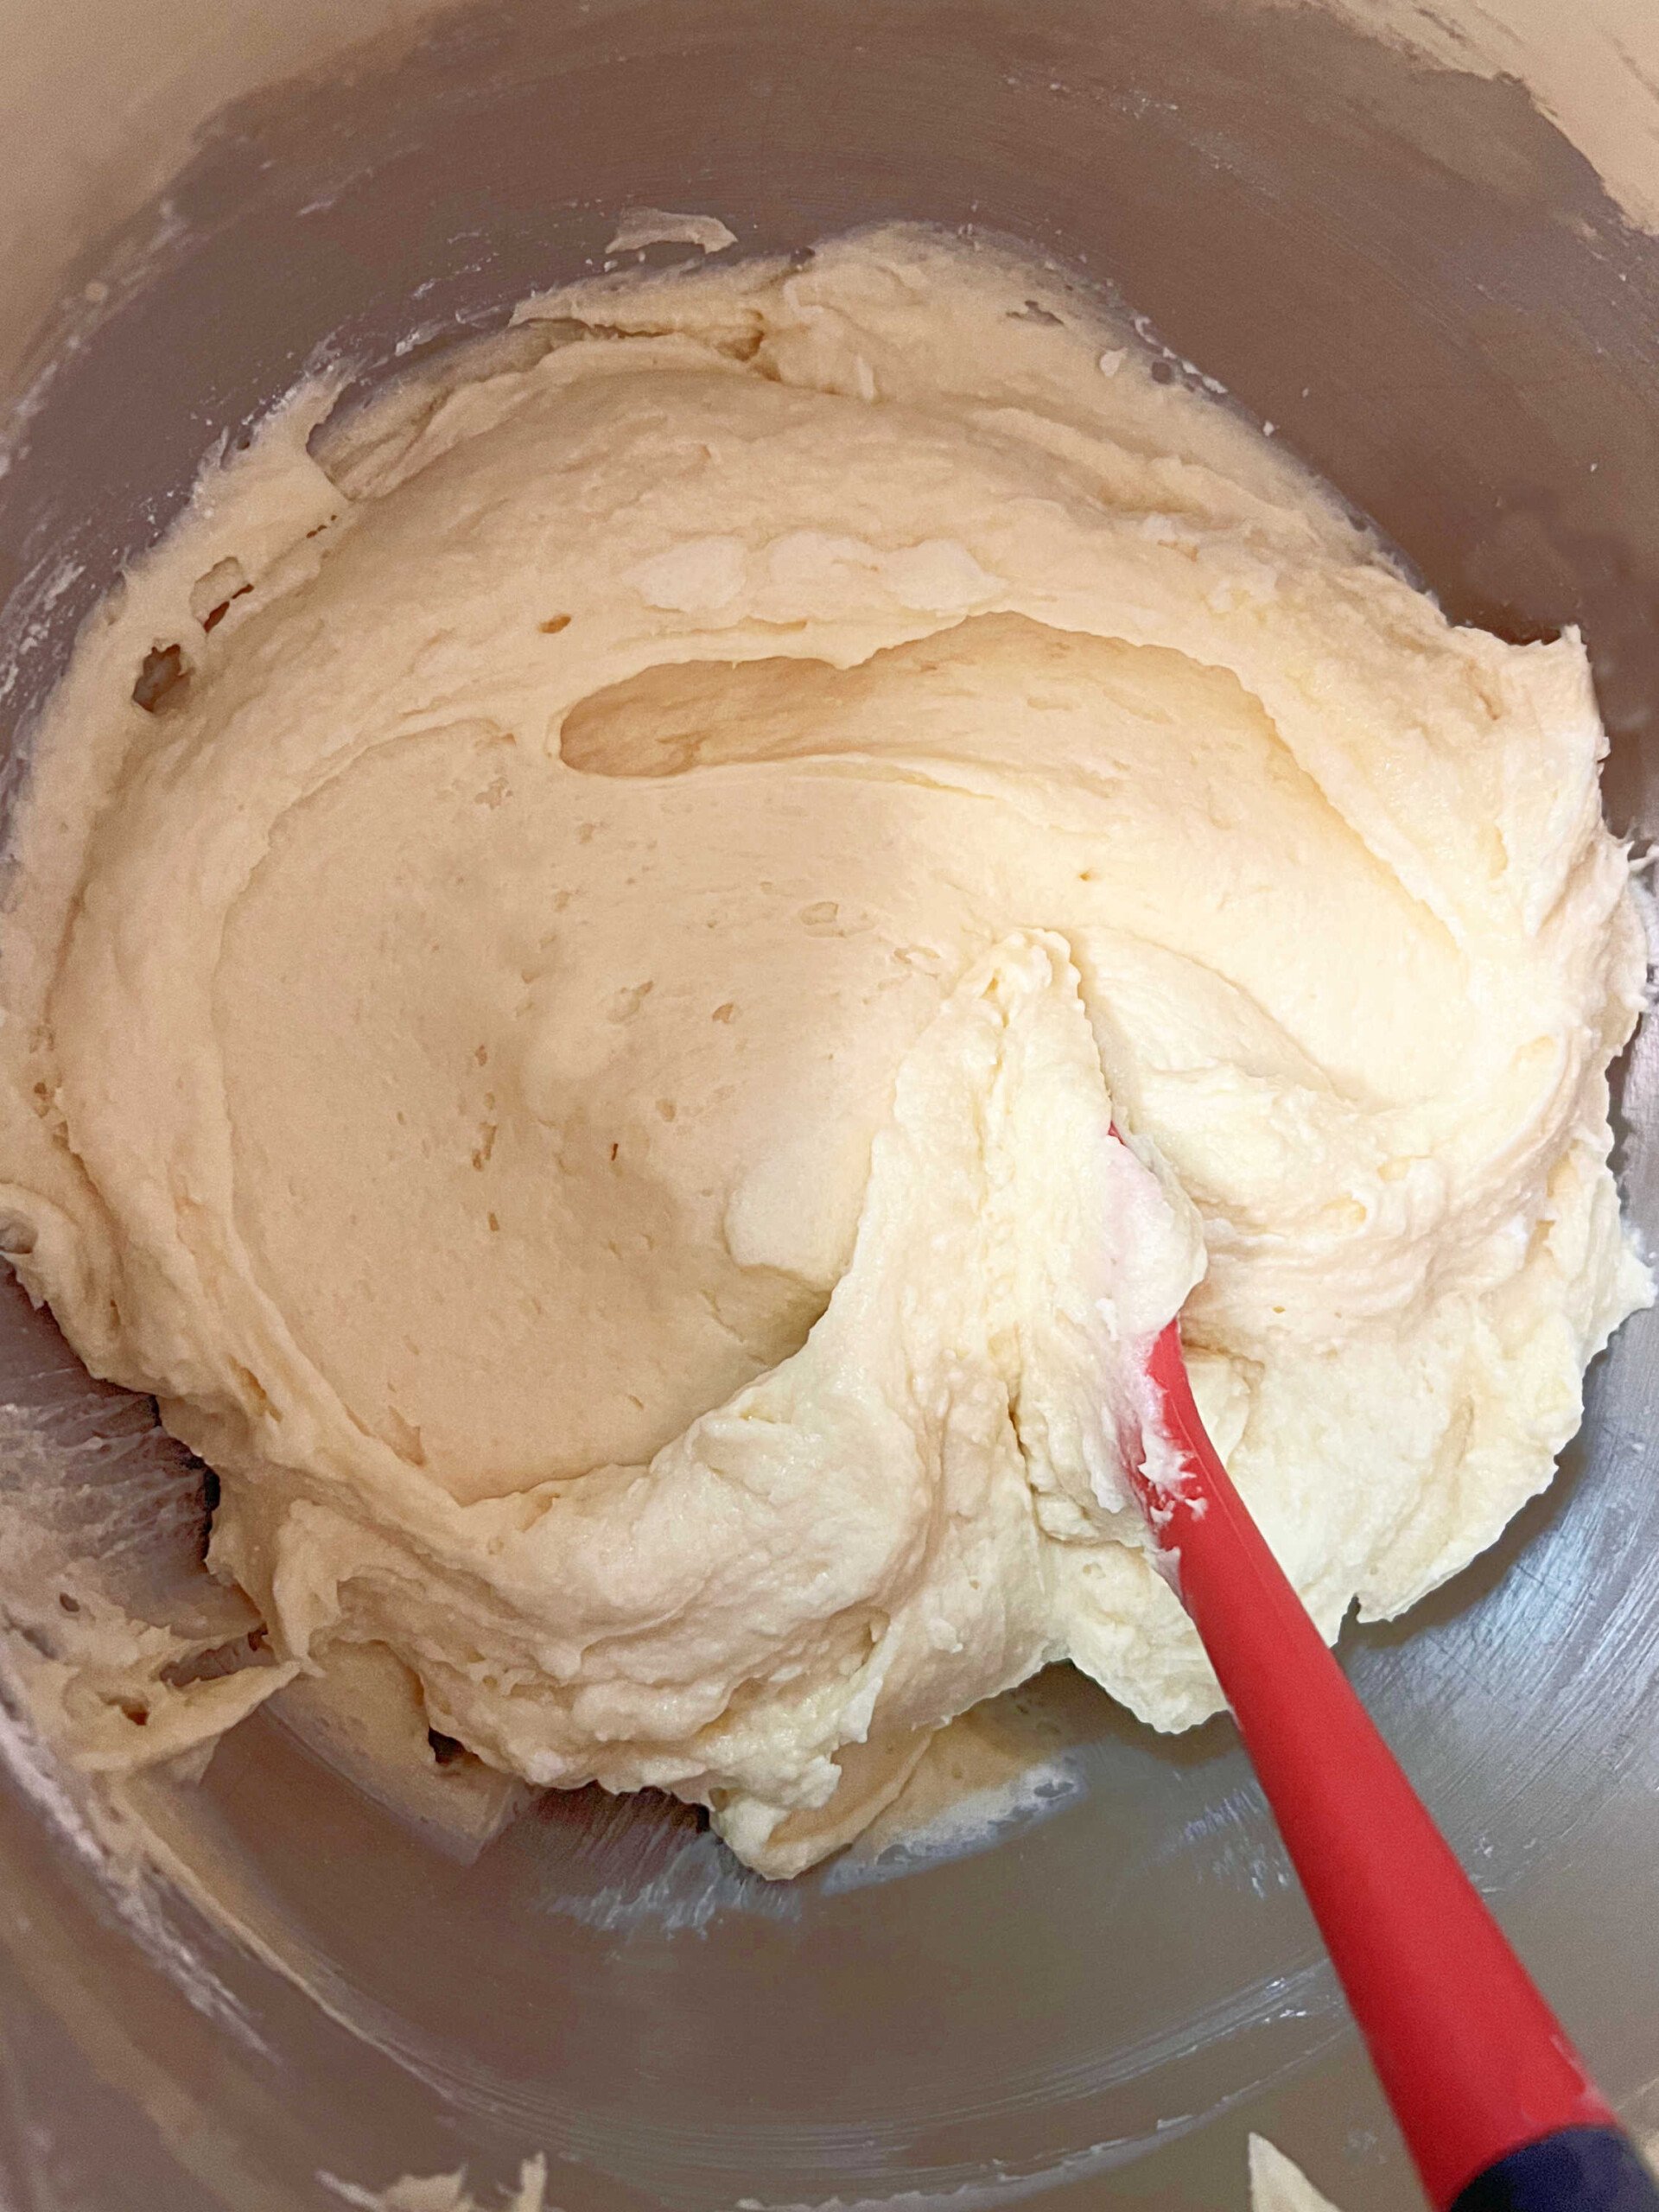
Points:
(1091, 1984)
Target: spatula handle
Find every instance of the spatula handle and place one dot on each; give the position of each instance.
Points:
(1580, 2169)
(1471, 2059)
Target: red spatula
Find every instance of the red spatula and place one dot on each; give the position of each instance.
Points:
(1495, 2107)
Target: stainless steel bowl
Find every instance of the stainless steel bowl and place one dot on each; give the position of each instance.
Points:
(1419, 279)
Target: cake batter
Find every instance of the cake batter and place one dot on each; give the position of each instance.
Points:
(574, 949)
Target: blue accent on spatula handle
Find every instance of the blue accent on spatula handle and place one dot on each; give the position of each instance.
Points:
(1580, 2169)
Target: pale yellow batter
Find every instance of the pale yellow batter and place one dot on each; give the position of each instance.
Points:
(575, 1046)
